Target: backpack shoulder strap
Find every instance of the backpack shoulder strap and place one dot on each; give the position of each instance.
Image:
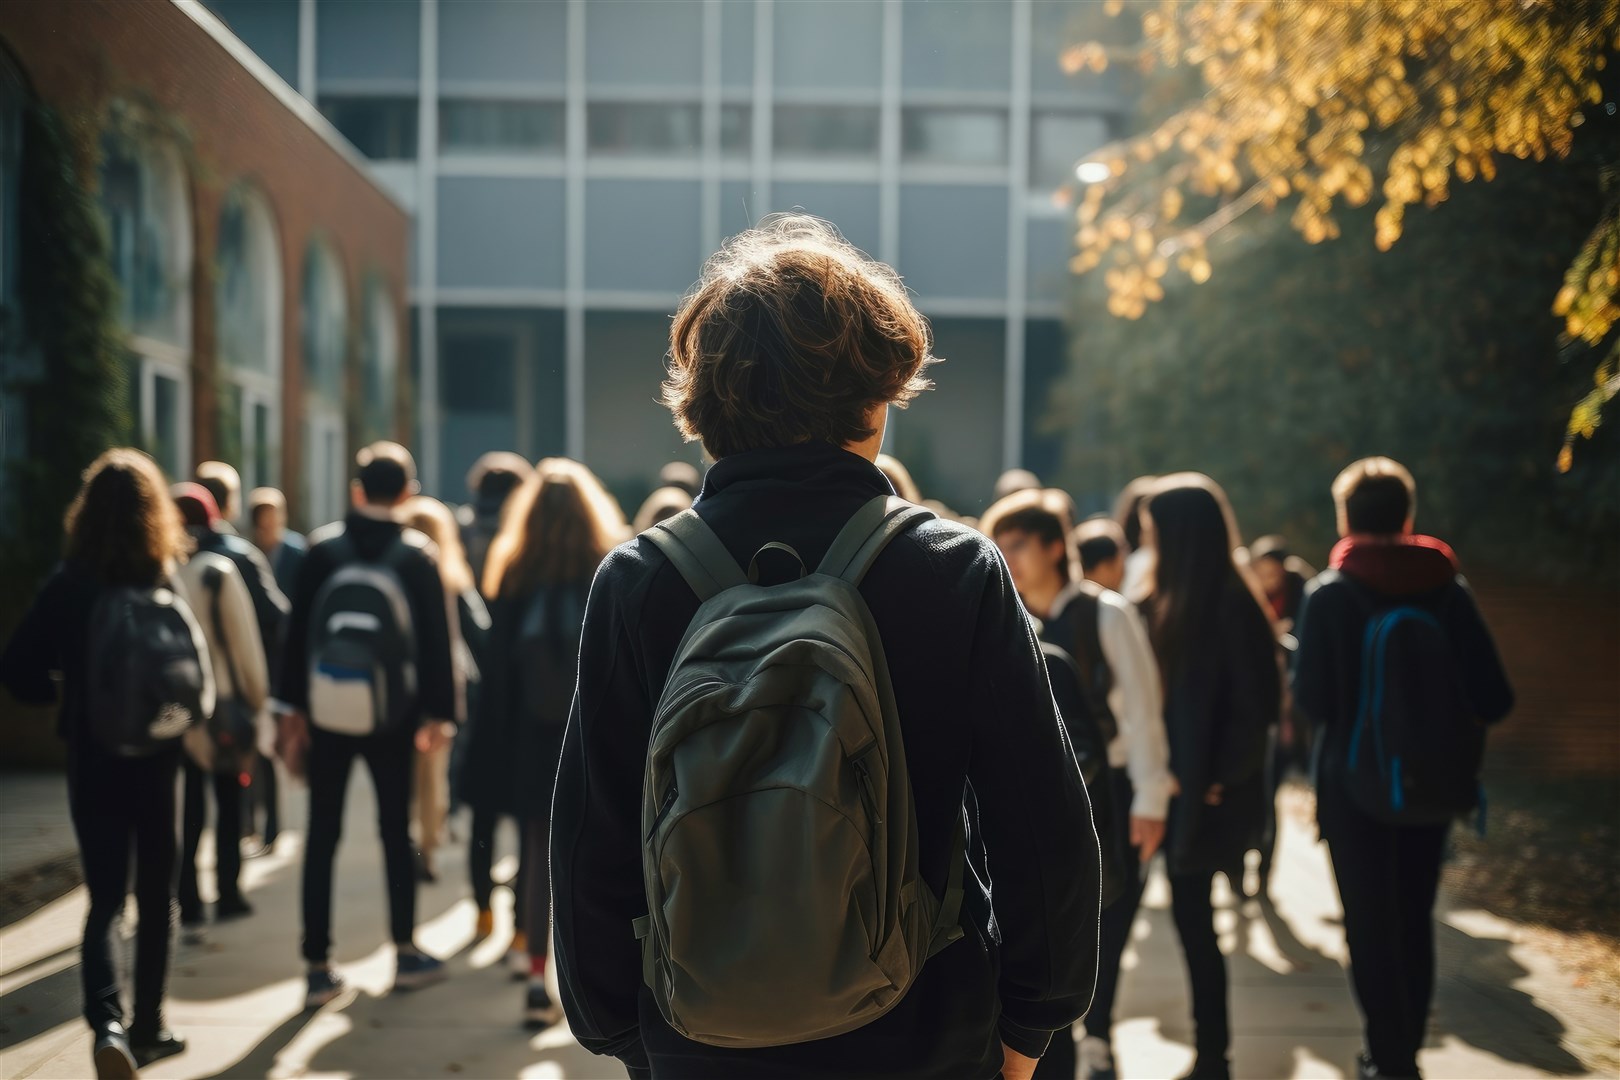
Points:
(863, 539)
(688, 542)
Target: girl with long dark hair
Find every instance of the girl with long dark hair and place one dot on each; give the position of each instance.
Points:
(557, 529)
(1216, 650)
(123, 533)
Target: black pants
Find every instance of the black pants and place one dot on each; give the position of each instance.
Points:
(1388, 876)
(388, 757)
(122, 806)
(1118, 917)
(227, 788)
(535, 909)
(481, 862)
(266, 795)
(1194, 916)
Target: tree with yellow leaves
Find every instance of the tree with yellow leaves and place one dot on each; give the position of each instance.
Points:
(1324, 105)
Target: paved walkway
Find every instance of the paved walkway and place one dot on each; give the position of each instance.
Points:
(1503, 1009)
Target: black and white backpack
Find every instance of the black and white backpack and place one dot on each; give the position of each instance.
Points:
(149, 678)
(362, 644)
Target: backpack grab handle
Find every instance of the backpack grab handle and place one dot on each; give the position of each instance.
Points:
(774, 545)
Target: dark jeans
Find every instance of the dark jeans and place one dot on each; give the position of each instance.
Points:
(481, 863)
(388, 757)
(122, 806)
(227, 788)
(1194, 915)
(1388, 876)
(536, 873)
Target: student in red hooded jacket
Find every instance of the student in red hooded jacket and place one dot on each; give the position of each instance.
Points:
(1391, 648)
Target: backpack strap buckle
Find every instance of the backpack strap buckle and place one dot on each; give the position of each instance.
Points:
(649, 963)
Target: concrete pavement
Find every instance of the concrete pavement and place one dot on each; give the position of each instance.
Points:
(1503, 1009)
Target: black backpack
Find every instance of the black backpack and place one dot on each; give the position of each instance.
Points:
(362, 647)
(1096, 677)
(1415, 749)
(546, 652)
(148, 678)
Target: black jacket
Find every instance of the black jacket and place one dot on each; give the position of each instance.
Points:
(1222, 696)
(48, 652)
(436, 693)
(270, 604)
(975, 707)
(1364, 577)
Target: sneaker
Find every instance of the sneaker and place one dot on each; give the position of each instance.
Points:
(232, 907)
(1096, 1059)
(324, 986)
(539, 1011)
(112, 1054)
(416, 970)
(485, 925)
(517, 956)
(155, 1045)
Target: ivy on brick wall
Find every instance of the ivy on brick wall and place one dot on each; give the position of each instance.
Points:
(79, 404)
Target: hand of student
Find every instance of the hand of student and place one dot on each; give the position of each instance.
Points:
(1212, 797)
(434, 735)
(1016, 1066)
(292, 741)
(1146, 836)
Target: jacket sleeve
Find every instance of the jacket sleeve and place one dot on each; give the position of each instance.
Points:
(1313, 678)
(435, 645)
(596, 878)
(1036, 821)
(292, 665)
(32, 653)
(1141, 719)
(240, 623)
(1484, 678)
(270, 604)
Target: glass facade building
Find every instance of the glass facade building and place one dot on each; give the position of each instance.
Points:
(571, 162)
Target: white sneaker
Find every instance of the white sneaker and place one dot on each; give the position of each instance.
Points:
(1096, 1059)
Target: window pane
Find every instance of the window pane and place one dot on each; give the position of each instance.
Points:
(325, 329)
(485, 366)
(382, 128)
(247, 281)
(643, 128)
(954, 136)
(1057, 141)
(142, 200)
(259, 444)
(166, 420)
(230, 443)
(736, 130)
(497, 127)
(826, 131)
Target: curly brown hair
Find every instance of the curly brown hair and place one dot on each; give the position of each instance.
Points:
(791, 335)
(122, 526)
(556, 529)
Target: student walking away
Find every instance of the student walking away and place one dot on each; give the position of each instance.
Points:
(367, 673)
(759, 845)
(283, 548)
(1222, 695)
(270, 604)
(491, 481)
(683, 475)
(561, 525)
(1399, 674)
(112, 630)
(1105, 646)
(1128, 516)
(219, 754)
(468, 621)
(661, 505)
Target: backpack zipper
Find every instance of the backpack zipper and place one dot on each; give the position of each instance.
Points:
(663, 812)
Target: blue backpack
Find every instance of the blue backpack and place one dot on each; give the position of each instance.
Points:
(1415, 748)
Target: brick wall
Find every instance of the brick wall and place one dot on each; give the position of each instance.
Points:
(83, 55)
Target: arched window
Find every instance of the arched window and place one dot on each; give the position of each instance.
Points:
(247, 306)
(379, 371)
(325, 347)
(145, 199)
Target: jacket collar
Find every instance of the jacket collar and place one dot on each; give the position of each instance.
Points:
(1395, 566)
(813, 464)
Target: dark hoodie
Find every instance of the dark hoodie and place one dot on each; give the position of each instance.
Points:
(1365, 576)
(419, 574)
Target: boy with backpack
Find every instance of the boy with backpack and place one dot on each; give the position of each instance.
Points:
(1103, 634)
(366, 673)
(760, 857)
(1400, 676)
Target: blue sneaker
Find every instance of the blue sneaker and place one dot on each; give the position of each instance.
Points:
(324, 986)
(416, 970)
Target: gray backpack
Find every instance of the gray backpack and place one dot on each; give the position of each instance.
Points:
(780, 838)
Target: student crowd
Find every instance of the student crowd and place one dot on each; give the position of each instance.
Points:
(768, 745)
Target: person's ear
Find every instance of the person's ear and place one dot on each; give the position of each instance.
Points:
(357, 494)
